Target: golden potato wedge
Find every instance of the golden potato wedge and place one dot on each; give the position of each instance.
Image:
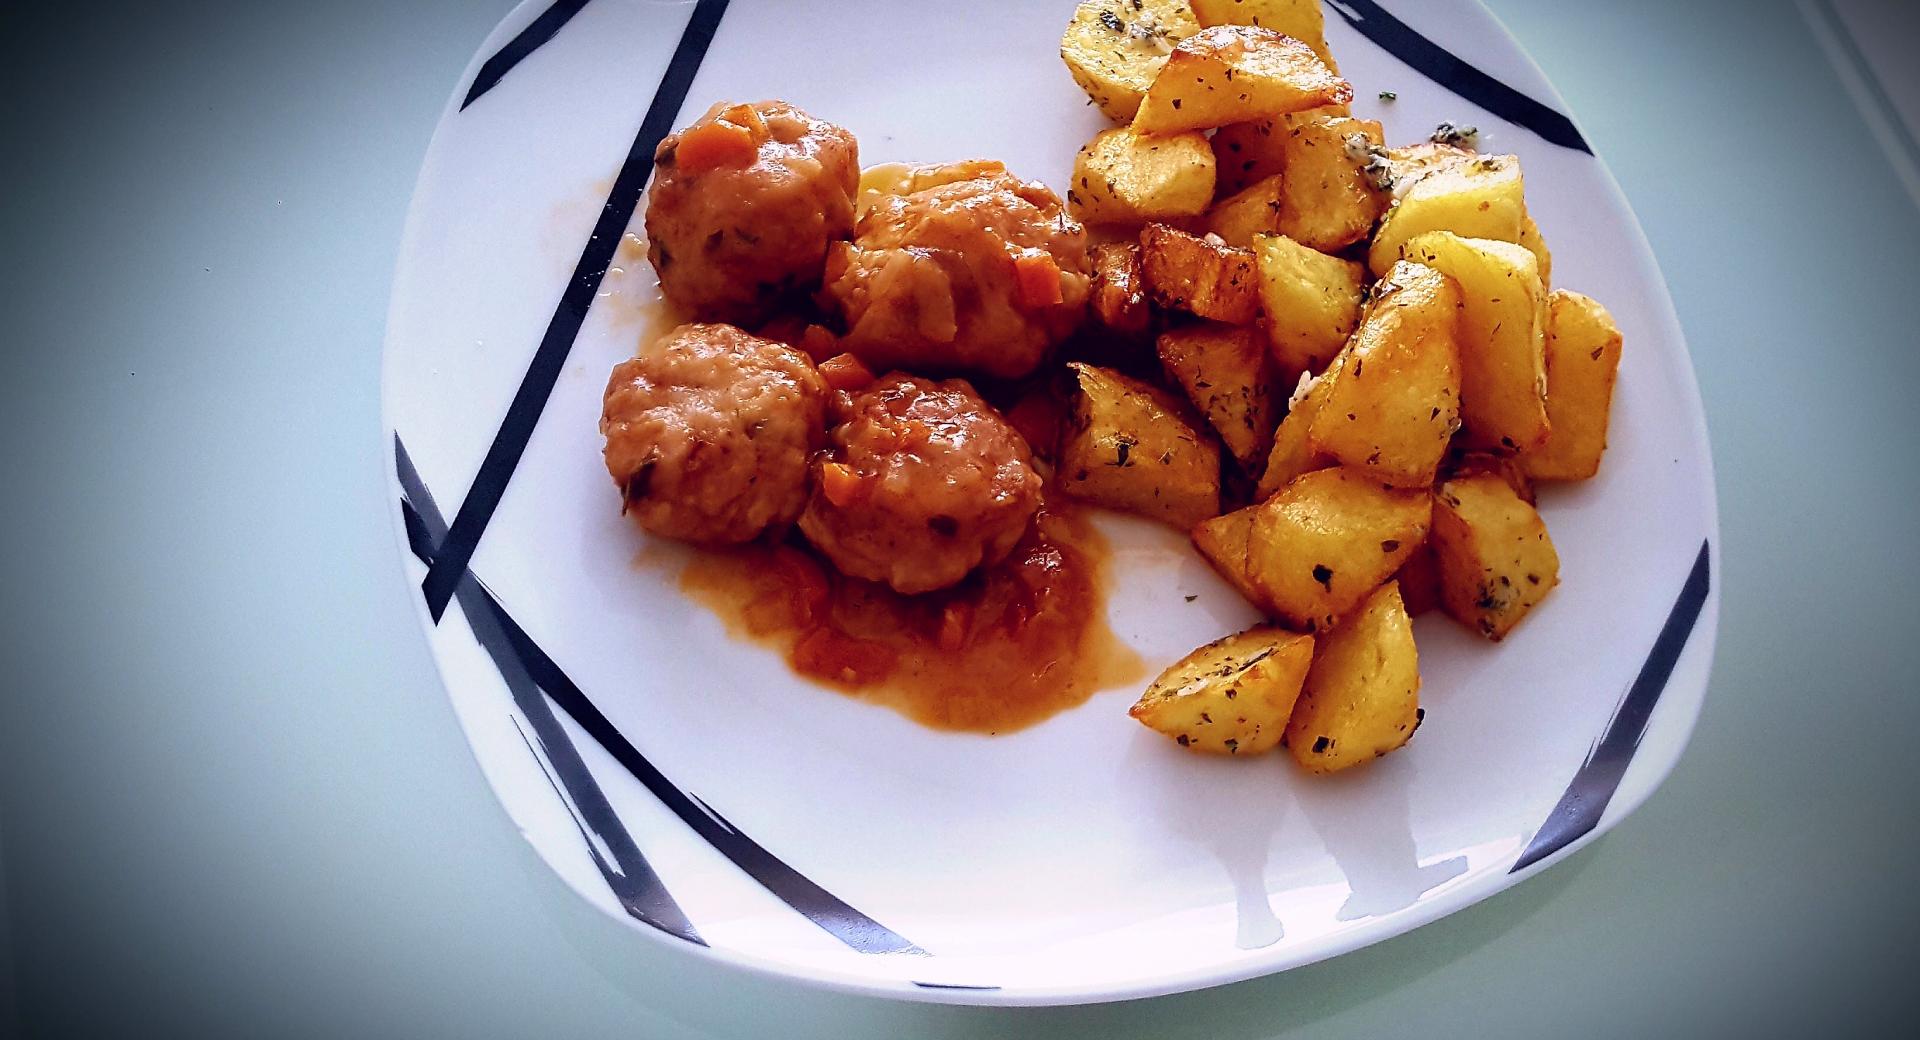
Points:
(1255, 150)
(1115, 48)
(1396, 405)
(1129, 446)
(1246, 153)
(1503, 326)
(1291, 454)
(1312, 302)
(1483, 197)
(1507, 467)
(1204, 278)
(1361, 698)
(1252, 211)
(1233, 74)
(1530, 238)
(1326, 198)
(1232, 696)
(1223, 541)
(1583, 358)
(1300, 19)
(1118, 293)
(1229, 377)
(1494, 557)
(1411, 162)
(1327, 539)
(1121, 177)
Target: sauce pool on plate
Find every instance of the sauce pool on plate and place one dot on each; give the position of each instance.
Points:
(1008, 647)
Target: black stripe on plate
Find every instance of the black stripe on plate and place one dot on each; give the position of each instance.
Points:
(823, 908)
(632, 879)
(952, 985)
(1443, 67)
(832, 914)
(1593, 785)
(510, 441)
(524, 43)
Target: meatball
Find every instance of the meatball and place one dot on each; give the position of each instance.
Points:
(743, 205)
(984, 274)
(922, 483)
(709, 432)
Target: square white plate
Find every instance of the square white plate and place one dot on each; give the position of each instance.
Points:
(692, 786)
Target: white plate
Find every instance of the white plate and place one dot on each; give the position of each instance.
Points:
(691, 786)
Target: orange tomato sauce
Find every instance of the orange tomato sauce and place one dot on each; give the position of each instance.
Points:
(1010, 646)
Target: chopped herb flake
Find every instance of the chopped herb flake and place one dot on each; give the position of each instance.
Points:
(1457, 136)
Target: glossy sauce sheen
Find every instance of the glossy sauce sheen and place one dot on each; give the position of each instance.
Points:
(1010, 646)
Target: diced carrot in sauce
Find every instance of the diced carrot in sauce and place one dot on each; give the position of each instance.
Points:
(842, 486)
(1038, 278)
(748, 117)
(846, 372)
(709, 146)
(819, 342)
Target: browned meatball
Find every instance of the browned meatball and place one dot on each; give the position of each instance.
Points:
(709, 431)
(924, 482)
(984, 274)
(743, 204)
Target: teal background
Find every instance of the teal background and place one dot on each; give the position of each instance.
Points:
(234, 801)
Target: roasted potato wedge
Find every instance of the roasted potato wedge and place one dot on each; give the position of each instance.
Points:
(1396, 404)
(1361, 698)
(1223, 541)
(1503, 325)
(1118, 292)
(1250, 212)
(1411, 162)
(1204, 278)
(1327, 539)
(1129, 446)
(1115, 48)
(1121, 177)
(1235, 73)
(1291, 454)
(1530, 238)
(1255, 150)
(1326, 200)
(1507, 467)
(1246, 153)
(1312, 302)
(1229, 377)
(1480, 197)
(1232, 696)
(1494, 556)
(1300, 19)
(1583, 359)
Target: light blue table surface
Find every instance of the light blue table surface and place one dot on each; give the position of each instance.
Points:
(234, 800)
